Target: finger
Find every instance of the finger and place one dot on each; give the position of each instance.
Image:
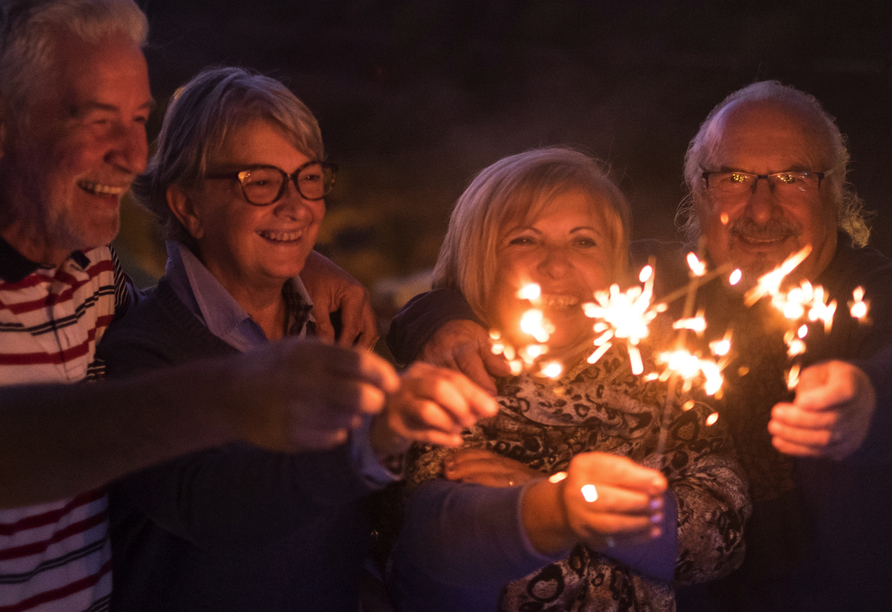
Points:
(367, 368)
(418, 415)
(794, 416)
(496, 365)
(458, 397)
(617, 471)
(324, 329)
(470, 363)
(359, 326)
(826, 385)
(472, 455)
(812, 438)
(797, 450)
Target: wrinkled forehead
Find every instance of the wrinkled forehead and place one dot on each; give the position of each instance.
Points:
(768, 136)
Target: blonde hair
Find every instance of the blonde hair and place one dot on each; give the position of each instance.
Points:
(516, 188)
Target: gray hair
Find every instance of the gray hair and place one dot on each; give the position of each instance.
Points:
(28, 31)
(201, 115)
(851, 216)
(517, 188)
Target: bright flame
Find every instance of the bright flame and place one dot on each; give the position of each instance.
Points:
(712, 418)
(735, 277)
(557, 477)
(770, 283)
(858, 307)
(552, 370)
(696, 266)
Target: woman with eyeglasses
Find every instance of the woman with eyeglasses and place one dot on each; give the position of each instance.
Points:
(238, 181)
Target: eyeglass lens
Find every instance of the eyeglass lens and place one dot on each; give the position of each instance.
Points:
(266, 185)
(783, 182)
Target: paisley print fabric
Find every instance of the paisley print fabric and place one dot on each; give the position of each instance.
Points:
(604, 407)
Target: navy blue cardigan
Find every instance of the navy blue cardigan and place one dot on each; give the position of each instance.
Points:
(233, 527)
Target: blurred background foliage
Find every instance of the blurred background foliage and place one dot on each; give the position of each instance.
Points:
(416, 96)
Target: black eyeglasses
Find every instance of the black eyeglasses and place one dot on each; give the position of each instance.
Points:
(264, 185)
(782, 183)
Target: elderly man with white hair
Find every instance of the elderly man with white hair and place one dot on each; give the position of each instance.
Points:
(74, 101)
(767, 177)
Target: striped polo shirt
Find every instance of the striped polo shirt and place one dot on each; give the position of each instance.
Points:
(56, 556)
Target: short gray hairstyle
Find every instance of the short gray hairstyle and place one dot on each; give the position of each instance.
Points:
(28, 31)
(515, 189)
(851, 216)
(200, 117)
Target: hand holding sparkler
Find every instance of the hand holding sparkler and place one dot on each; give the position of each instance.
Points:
(464, 346)
(432, 405)
(626, 505)
(830, 416)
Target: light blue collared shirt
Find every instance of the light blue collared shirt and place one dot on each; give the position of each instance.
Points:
(224, 317)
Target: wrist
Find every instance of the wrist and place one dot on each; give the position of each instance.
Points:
(545, 517)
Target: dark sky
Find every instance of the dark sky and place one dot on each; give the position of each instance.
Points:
(414, 97)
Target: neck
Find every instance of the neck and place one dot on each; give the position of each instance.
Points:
(32, 244)
(266, 308)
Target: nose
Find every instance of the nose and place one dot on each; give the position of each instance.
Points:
(129, 148)
(761, 202)
(555, 262)
(294, 206)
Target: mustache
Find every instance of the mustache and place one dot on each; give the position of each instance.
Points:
(777, 229)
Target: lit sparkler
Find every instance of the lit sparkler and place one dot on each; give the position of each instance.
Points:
(800, 305)
(533, 323)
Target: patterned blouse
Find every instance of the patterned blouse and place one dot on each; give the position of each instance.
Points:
(604, 407)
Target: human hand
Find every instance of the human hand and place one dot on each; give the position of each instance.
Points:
(830, 416)
(487, 468)
(300, 395)
(332, 289)
(464, 346)
(627, 507)
(432, 405)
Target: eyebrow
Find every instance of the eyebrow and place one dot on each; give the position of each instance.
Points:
(79, 110)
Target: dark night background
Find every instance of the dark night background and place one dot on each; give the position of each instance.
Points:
(415, 97)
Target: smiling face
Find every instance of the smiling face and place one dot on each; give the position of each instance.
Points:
(252, 248)
(757, 231)
(64, 171)
(568, 251)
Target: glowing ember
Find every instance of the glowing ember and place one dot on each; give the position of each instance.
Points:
(589, 493)
(534, 324)
(624, 316)
(552, 370)
(557, 477)
(858, 307)
(735, 277)
(696, 266)
(691, 368)
(769, 284)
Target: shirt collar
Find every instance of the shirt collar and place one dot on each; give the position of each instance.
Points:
(212, 304)
(15, 267)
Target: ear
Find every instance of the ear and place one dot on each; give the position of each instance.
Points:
(182, 205)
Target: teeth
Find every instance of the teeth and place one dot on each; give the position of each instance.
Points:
(281, 236)
(560, 301)
(99, 189)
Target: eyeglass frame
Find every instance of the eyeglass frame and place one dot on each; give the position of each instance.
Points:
(286, 178)
(820, 175)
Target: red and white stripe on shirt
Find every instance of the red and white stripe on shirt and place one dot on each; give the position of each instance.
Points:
(56, 556)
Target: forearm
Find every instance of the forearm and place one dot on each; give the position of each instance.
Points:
(413, 326)
(59, 440)
(467, 535)
(239, 495)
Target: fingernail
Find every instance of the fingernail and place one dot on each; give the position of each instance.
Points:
(656, 532)
(656, 503)
(656, 518)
